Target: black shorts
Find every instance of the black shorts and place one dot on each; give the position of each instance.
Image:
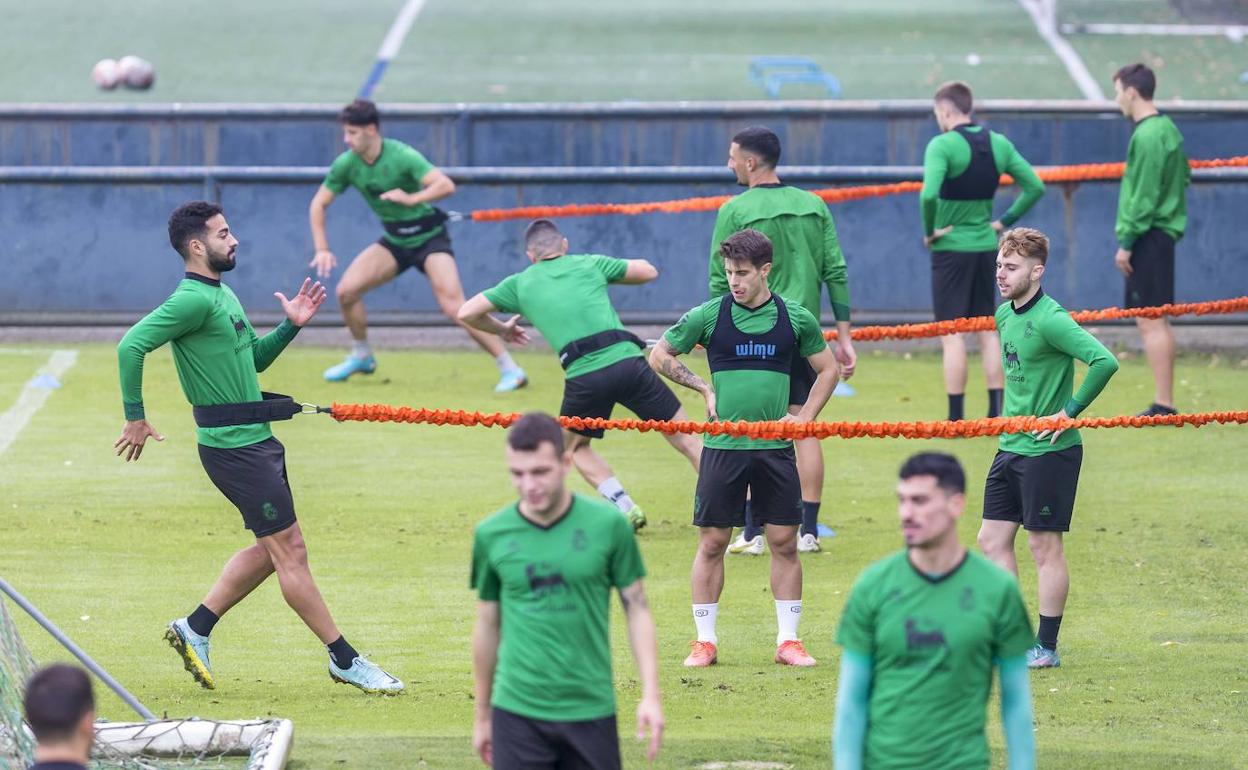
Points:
(769, 475)
(964, 284)
(801, 377)
(630, 383)
(254, 479)
(521, 743)
(1152, 271)
(1037, 492)
(416, 255)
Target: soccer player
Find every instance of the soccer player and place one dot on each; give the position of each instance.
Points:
(565, 296)
(543, 568)
(1152, 216)
(961, 169)
(60, 709)
(922, 631)
(400, 186)
(806, 257)
(751, 336)
(218, 355)
(1033, 477)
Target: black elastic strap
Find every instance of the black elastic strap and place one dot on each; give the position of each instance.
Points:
(412, 227)
(273, 408)
(586, 345)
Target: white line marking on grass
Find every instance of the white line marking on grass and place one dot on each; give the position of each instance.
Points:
(32, 397)
(1078, 71)
(391, 44)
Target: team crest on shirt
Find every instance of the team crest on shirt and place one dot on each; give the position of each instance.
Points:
(920, 640)
(1011, 357)
(579, 540)
(1028, 329)
(967, 601)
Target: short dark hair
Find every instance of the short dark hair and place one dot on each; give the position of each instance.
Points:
(761, 141)
(1027, 242)
(958, 94)
(747, 246)
(360, 112)
(1139, 77)
(57, 697)
(534, 429)
(945, 468)
(542, 236)
(189, 221)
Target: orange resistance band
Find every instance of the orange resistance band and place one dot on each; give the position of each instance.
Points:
(1082, 173)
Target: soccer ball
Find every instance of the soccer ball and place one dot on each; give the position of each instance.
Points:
(106, 73)
(136, 73)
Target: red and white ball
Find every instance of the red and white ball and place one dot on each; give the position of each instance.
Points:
(106, 73)
(136, 73)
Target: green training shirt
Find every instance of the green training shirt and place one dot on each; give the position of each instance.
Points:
(1154, 185)
(747, 394)
(566, 299)
(806, 252)
(933, 643)
(948, 155)
(398, 166)
(1039, 345)
(553, 585)
(215, 351)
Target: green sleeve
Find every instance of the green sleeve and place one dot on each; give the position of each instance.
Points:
(715, 270)
(266, 349)
(506, 295)
(688, 331)
(1032, 189)
(626, 566)
(1012, 636)
(612, 268)
(417, 165)
(849, 734)
(1141, 185)
(857, 630)
(1061, 331)
(834, 274)
(935, 166)
(810, 339)
(338, 179)
(1016, 713)
(483, 578)
(181, 314)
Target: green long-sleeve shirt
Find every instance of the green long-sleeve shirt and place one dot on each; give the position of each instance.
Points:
(1039, 345)
(949, 155)
(1154, 185)
(215, 351)
(807, 255)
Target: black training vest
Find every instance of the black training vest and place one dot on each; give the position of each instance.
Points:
(980, 179)
(730, 349)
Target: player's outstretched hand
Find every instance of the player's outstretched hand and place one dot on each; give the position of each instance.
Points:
(513, 332)
(324, 261)
(483, 740)
(1122, 260)
(305, 304)
(1042, 434)
(134, 435)
(846, 357)
(650, 716)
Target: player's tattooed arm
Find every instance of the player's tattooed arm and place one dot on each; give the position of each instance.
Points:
(663, 358)
(634, 597)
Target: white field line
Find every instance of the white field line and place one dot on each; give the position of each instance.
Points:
(32, 397)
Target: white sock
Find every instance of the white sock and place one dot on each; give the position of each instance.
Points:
(505, 362)
(612, 490)
(787, 615)
(361, 349)
(704, 620)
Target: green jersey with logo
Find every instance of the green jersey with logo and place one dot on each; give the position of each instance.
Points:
(399, 166)
(216, 352)
(566, 299)
(933, 643)
(1039, 345)
(553, 585)
(747, 394)
(805, 248)
(1154, 185)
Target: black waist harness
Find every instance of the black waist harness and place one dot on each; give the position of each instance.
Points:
(273, 408)
(586, 345)
(730, 348)
(980, 179)
(410, 227)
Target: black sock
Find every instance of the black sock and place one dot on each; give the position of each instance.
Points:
(202, 620)
(994, 401)
(342, 653)
(752, 530)
(1047, 637)
(810, 518)
(955, 406)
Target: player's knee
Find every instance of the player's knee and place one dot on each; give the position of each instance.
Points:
(346, 293)
(712, 547)
(1046, 548)
(990, 543)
